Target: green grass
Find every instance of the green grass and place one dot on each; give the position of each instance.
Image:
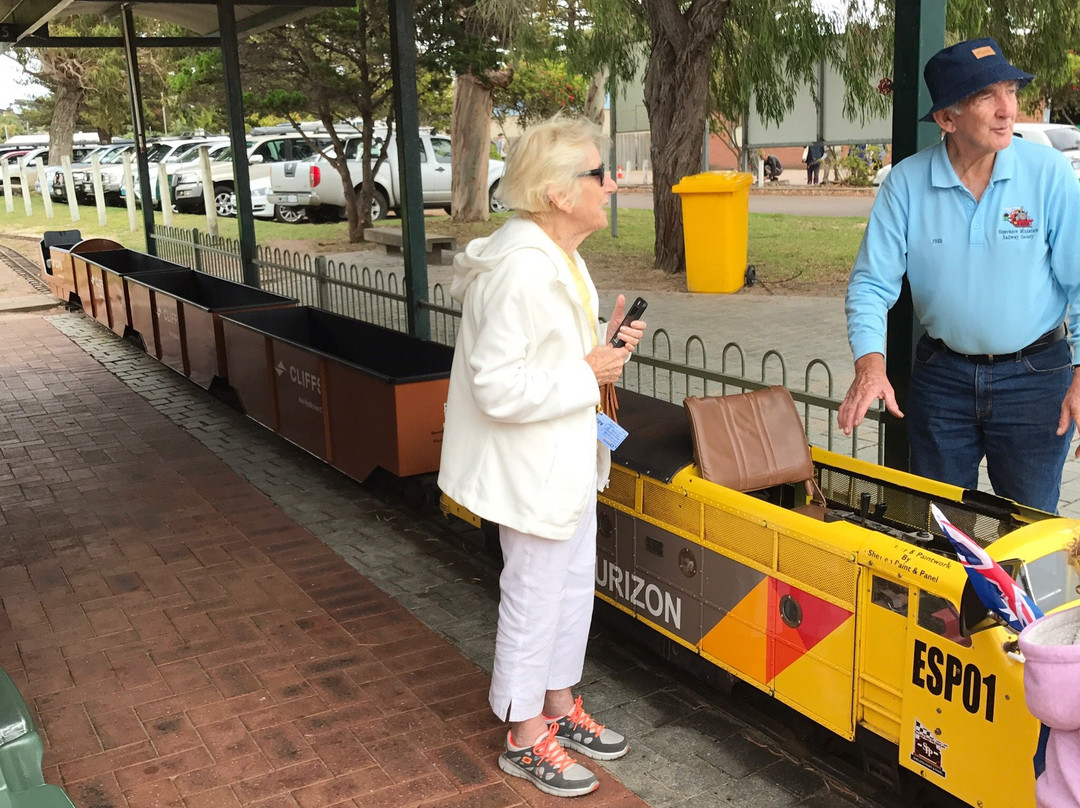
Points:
(804, 249)
(796, 251)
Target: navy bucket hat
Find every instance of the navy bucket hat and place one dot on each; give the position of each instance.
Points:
(965, 68)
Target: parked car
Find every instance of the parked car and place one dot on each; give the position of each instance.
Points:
(1066, 139)
(82, 175)
(263, 151)
(33, 159)
(264, 209)
(167, 155)
(315, 184)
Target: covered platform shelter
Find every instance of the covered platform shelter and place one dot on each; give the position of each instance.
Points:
(919, 33)
(219, 24)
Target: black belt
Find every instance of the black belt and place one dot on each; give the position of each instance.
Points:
(1051, 337)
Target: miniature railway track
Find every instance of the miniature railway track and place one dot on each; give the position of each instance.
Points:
(23, 266)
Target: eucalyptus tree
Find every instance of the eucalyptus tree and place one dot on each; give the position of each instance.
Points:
(464, 40)
(70, 75)
(1038, 36)
(335, 66)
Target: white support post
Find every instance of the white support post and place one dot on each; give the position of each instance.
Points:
(9, 201)
(69, 184)
(164, 195)
(99, 191)
(129, 193)
(208, 191)
(46, 195)
(25, 179)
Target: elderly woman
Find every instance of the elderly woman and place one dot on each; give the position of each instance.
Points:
(520, 447)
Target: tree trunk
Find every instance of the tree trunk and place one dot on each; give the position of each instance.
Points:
(594, 97)
(469, 134)
(68, 100)
(676, 96)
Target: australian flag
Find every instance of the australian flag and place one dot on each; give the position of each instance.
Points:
(995, 588)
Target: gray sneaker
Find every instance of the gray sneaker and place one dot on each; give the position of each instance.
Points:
(547, 766)
(580, 732)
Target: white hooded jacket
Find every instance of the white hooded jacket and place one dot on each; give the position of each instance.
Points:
(519, 447)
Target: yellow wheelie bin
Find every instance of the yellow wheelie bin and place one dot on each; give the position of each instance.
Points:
(716, 216)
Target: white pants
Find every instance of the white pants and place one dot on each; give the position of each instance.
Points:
(545, 609)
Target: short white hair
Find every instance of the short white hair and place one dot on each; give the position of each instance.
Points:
(548, 157)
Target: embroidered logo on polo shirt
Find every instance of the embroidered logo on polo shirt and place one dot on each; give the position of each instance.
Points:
(1018, 217)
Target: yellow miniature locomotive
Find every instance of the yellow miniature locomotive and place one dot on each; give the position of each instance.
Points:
(845, 601)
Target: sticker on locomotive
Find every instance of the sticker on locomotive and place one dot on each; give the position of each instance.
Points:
(927, 748)
(947, 676)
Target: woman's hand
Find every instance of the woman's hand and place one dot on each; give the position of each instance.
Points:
(630, 334)
(607, 363)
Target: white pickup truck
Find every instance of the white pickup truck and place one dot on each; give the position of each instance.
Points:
(315, 185)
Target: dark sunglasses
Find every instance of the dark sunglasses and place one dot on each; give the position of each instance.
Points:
(596, 172)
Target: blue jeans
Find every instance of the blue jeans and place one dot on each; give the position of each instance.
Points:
(958, 412)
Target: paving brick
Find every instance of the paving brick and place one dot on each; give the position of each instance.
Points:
(226, 772)
(195, 645)
(281, 781)
(117, 728)
(96, 792)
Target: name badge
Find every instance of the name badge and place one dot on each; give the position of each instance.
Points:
(608, 432)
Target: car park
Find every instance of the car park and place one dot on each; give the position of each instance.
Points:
(82, 173)
(263, 151)
(315, 184)
(167, 153)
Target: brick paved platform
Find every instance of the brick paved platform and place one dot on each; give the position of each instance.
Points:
(185, 642)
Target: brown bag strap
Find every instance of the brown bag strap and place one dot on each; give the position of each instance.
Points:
(609, 403)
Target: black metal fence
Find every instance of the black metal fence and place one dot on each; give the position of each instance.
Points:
(660, 368)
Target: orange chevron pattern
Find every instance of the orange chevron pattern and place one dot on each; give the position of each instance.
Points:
(754, 639)
(739, 639)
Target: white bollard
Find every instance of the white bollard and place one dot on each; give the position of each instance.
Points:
(69, 183)
(164, 195)
(46, 196)
(129, 192)
(208, 191)
(99, 191)
(25, 178)
(9, 201)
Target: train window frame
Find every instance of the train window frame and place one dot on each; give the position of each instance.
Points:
(1035, 574)
(939, 602)
(886, 594)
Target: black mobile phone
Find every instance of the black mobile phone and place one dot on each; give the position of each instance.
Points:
(637, 308)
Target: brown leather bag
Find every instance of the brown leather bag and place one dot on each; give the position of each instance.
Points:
(751, 440)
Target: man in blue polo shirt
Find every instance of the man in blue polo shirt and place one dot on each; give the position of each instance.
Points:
(987, 229)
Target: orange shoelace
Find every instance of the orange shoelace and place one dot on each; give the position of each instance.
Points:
(579, 718)
(549, 749)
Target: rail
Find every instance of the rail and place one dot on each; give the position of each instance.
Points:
(657, 369)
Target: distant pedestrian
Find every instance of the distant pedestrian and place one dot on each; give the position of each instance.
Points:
(772, 167)
(812, 156)
(500, 146)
